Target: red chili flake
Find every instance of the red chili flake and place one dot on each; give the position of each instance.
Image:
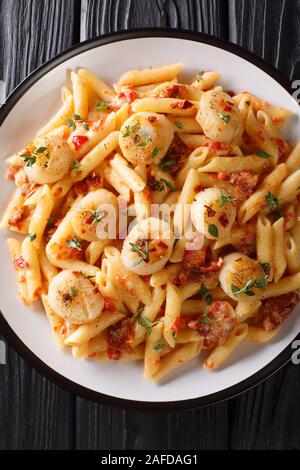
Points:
(198, 188)
(152, 118)
(109, 304)
(223, 220)
(222, 176)
(281, 149)
(214, 146)
(79, 140)
(113, 353)
(63, 329)
(183, 104)
(93, 179)
(210, 212)
(177, 325)
(92, 355)
(11, 172)
(230, 93)
(20, 263)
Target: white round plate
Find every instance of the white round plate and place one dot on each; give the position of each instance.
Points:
(30, 106)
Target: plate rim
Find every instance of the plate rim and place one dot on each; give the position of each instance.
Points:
(6, 330)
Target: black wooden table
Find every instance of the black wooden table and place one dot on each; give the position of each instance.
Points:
(35, 413)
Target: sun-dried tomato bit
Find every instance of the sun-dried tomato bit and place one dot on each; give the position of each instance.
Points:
(182, 104)
(274, 311)
(17, 217)
(215, 325)
(79, 140)
(113, 354)
(120, 333)
(11, 173)
(20, 262)
(109, 304)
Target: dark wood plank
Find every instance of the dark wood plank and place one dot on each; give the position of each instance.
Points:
(268, 416)
(103, 427)
(270, 29)
(105, 16)
(34, 413)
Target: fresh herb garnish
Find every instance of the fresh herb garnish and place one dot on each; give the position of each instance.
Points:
(225, 198)
(74, 291)
(142, 251)
(159, 346)
(146, 323)
(266, 267)
(166, 165)
(75, 243)
(200, 76)
(247, 288)
(154, 152)
(77, 118)
(178, 124)
(206, 319)
(30, 158)
(51, 222)
(272, 201)
(162, 185)
(213, 230)
(86, 276)
(262, 154)
(102, 105)
(75, 165)
(129, 129)
(205, 295)
(225, 117)
(32, 236)
(94, 217)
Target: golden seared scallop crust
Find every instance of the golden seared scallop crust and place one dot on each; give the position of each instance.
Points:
(213, 213)
(148, 246)
(219, 116)
(50, 159)
(100, 206)
(74, 298)
(145, 137)
(239, 270)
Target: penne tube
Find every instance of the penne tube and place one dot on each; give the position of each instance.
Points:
(218, 356)
(206, 80)
(229, 164)
(89, 330)
(173, 106)
(172, 313)
(177, 358)
(289, 188)
(283, 286)
(154, 346)
(279, 259)
(185, 200)
(80, 94)
(150, 75)
(259, 335)
(104, 91)
(15, 248)
(186, 124)
(292, 254)
(131, 178)
(41, 215)
(32, 272)
(60, 117)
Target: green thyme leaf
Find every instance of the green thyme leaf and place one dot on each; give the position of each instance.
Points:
(213, 230)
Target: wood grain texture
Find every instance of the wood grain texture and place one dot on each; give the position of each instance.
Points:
(34, 413)
(105, 16)
(270, 29)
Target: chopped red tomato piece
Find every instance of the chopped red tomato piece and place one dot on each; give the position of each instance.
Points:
(79, 140)
(20, 263)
